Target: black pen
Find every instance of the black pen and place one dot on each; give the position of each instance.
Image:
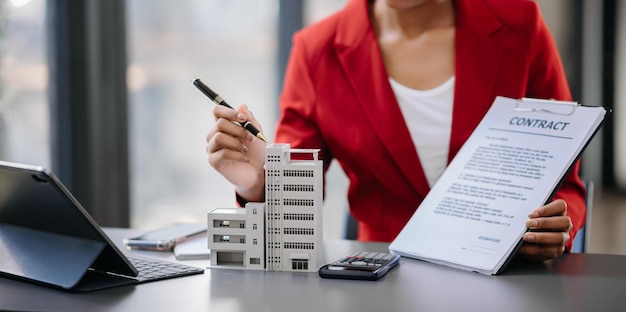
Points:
(217, 99)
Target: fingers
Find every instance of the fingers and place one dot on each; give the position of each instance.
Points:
(227, 140)
(228, 132)
(221, 140)
(555, 208)
(243, 108)
(547, 238)
(535, 252)
(220, 111)
(556, 223)
(540, 246)
(225, 119)
(549, 228)
(220, 158)
(551, 217)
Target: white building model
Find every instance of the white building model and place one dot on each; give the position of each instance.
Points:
(292, 213)
(236, 236)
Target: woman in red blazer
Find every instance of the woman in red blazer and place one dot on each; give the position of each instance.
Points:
(337, 97)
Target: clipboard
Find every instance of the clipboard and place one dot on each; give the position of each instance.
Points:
(538, 105)
(515, 160)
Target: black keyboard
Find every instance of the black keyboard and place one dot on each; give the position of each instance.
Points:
(155, 270)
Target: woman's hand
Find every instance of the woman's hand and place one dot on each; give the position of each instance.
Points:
(237, 154)
(549, 232)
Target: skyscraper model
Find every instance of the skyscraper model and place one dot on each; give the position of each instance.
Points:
(293, 203)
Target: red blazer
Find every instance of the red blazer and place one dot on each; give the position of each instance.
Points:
(337, 97)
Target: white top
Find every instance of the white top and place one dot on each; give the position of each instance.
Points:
(428, 115)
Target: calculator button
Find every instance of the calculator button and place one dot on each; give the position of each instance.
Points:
(359, 263)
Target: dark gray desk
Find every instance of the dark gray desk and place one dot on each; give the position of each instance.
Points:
(575, 282)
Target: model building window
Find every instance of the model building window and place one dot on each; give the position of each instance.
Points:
(299, 264)
(298, 231)
(298, 202)
(298, 245)
(298, 188)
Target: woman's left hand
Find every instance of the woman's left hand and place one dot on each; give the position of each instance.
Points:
(549, 232)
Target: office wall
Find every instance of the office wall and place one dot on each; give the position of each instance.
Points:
(554, 13)
(23, 83)
(620, 98)
(231, 45)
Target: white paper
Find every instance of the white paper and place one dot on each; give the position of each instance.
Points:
(475, 215)
(196, 247)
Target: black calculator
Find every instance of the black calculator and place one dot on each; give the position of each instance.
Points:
(362, 265)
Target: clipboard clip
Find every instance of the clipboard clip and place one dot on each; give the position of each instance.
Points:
(546, 106)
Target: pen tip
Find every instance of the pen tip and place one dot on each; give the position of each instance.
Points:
(262, 137)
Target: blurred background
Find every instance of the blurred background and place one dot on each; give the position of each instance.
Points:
(100, 92)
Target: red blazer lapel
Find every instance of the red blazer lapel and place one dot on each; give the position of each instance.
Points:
(478, 61)
(360, 57)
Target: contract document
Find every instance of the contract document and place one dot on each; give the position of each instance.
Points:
(515, 160)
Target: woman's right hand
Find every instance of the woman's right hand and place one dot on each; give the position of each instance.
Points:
(237, 154)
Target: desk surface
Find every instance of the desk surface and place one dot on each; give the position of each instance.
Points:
(574, 282)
